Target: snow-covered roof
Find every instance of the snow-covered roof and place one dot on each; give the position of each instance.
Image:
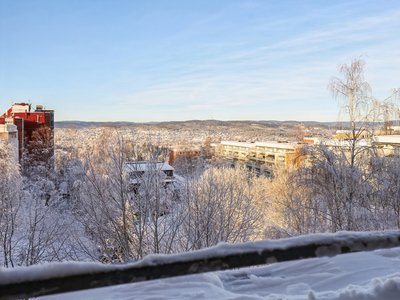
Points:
(344, 131)
(387, 139)
(274, 144)
(183, 147)
(145, 166)
(238, 144)
(342, 143)
(269, 144)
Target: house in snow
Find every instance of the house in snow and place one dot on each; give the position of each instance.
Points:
(149, 171)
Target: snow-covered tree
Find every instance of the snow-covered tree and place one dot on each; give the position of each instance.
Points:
(122, 214)
(11, 197)
(220, 207)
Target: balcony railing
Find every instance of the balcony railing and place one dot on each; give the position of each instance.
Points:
(24, 282)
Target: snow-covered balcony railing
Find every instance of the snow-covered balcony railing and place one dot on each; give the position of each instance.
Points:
(53, 278)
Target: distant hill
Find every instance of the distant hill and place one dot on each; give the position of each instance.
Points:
(83, 124)
(302, 122)
(266, 123)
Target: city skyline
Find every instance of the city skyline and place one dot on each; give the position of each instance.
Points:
(172, 61)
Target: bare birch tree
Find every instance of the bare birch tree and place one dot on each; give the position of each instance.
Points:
(11, 197)
(359, 106)
(362, 110)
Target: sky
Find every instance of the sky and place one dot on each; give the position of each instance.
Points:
(142, 61)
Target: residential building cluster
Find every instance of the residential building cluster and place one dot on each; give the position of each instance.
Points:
(259, 157)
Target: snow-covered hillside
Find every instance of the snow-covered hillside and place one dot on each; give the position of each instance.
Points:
(364, 275)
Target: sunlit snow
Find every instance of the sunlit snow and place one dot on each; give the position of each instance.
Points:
(364, 275)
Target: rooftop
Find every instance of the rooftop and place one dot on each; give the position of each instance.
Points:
(392, 139)
(147, 165)
(269, 144)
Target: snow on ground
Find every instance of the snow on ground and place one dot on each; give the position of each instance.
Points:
(363, 275)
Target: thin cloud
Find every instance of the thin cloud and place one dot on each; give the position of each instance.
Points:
(261, 75)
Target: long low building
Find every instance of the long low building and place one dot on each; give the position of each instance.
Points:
(386, 144)
(260, 156)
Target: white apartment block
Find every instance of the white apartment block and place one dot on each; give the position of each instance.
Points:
(388, 143)
(9, 133)
(137, 170)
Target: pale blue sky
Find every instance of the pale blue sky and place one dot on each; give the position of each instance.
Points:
(179, 60)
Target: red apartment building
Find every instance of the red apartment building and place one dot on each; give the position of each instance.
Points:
(27, 121)
(179, 153)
